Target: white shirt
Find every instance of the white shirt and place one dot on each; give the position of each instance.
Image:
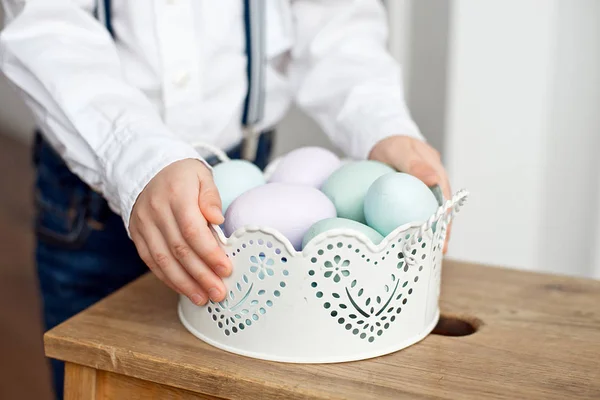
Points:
(118, 111)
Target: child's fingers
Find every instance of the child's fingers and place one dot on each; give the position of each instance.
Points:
(171, 268)
(189, 259)
(209, 200)
(144, 253)
(445, 185)
(195, 231)
(425, 171)
(448, 229)
(431, 172)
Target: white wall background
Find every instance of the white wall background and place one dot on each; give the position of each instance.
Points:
(510, 91)
(570, 232)
(523, 132)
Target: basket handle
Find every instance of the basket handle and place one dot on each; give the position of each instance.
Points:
(450, 208)
(220, 154)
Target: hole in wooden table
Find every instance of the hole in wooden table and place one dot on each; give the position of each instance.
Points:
(451, 325)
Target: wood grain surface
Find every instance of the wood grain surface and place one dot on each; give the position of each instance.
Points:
(80, 382)
(538, 337)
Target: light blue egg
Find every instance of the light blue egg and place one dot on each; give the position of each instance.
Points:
(234, 178)
(347, 187)
(340, 223)
(396, 199)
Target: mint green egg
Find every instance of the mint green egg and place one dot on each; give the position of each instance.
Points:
(234, 178)
(397, 199)
(340, 223)
(347, 186)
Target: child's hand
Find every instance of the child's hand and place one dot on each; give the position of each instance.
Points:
(169, 226)
(417, 158)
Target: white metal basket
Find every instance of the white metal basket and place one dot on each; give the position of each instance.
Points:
(340, 299)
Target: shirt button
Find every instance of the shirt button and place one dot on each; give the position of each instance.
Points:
(182, 79)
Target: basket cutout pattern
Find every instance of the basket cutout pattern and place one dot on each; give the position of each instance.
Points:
(340, 270)
(253, 295)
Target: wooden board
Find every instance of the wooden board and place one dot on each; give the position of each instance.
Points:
(85, 383)
(80, 382)
(113, 386)
(539, 338)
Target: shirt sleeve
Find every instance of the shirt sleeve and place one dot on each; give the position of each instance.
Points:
(344, 77)
(66, 66)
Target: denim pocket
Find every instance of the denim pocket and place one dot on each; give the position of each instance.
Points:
(61, 215)
(61, 202)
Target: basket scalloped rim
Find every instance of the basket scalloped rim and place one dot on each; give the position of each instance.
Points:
(460, 196)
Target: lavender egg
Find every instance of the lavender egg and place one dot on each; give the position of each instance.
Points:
(309, 166)
(290, 209)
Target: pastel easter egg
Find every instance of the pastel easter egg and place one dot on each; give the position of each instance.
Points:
(340, 223)
(347, 187)
(309, 166)
(396, 199)
(289, 209)
(235, 177)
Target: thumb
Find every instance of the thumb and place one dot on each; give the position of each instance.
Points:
(425, 172)
(210, 201)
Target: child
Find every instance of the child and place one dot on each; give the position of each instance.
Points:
(121, 90)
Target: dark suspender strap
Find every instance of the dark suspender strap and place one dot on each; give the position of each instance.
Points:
(103, 12)
(255, 43)
(254, 24)
(108, 16)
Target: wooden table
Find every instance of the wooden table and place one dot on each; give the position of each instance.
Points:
(538, 337)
